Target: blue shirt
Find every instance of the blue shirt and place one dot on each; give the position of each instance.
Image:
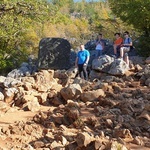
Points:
(82, 56)
(127, 41)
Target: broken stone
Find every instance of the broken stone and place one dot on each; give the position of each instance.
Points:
(83, 139)
(92, 95)
(116, 146)
(38, 144)
(1, 96)
(9, 94)
(124, 133)
(33, 105)
(72, 91)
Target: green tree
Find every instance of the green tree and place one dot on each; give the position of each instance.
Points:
(16, 18)
(135, 12)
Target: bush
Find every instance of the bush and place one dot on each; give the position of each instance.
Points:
(142, 45)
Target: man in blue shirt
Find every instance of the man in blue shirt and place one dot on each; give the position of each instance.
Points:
(125, 47)
(82, 61)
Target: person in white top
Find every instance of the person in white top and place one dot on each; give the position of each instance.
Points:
(99, 45)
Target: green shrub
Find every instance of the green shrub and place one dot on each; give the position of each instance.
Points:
(143, 46)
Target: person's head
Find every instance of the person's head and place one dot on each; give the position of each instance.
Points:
(126, 34)
(82, 47)
(100, 36)
(117, 35)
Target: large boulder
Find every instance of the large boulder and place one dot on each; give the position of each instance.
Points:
(118, 67)
(103, 63)
(109, 65)
(54, 53)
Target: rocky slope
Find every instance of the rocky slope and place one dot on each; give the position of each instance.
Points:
(53, 110)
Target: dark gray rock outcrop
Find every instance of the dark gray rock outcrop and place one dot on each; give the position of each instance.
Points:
(54, 53)
(25, 69)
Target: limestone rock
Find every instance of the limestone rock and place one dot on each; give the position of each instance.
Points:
(72, 91)
(26, 69)
(94, 75)
(9, 94)
(1, 96)
(145, 113)
(125, 133)
(116, 146)
(30, 80)
(33, 105)
(38, 144)
(2, 79)
(44, 80)
(118, 67)
(92, 95)
(102, 64)
(26, 98)
(3, 105)
(42, 98)
(11, 82)
(83, 83)
(109, 65)
(72, 72)
(56, 145)
(83, 139)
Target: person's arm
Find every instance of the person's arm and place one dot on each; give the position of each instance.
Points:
(130, 44)
(87, 60)
(103, 46)
(97, 42)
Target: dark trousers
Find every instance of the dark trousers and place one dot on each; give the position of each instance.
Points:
(82, 68)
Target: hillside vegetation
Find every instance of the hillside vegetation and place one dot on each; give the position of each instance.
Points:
(24, 23)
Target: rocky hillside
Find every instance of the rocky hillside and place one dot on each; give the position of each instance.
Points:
(109, 112)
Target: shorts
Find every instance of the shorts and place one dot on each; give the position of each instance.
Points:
(125, 49)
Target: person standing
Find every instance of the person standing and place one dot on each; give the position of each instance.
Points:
(125, 47)
(99, 45)
(81, 62)
(117, 43)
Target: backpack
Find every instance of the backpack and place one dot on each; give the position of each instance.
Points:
(131, 47)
